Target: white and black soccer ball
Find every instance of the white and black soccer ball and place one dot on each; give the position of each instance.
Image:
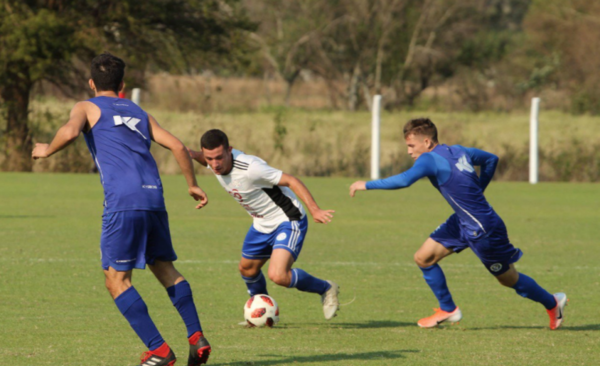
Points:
(261, 310)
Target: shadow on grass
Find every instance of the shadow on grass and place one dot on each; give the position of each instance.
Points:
(373, 324)
(585, 327)
(24, 216)
(382, 355)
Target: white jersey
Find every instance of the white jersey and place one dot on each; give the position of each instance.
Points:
(253, 184)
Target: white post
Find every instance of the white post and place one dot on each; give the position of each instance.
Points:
(375, 123)
(533, 141)
(135, 95)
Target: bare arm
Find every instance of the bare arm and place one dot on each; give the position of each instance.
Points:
(198, 156)
(165, 139)
(65, 135)
(296, 185)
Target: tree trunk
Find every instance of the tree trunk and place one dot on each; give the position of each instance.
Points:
(16, 102)
(353, 88)
(290, 83)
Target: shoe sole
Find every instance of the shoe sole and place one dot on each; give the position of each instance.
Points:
(337, 293)
(451, 319)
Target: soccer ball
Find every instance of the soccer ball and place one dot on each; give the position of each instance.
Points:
(261, 310)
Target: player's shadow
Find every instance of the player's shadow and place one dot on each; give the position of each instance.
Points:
(366, 356)
(576, 328)
(24, 216)
(372, 324)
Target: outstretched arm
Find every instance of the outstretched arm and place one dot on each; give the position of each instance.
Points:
(165, 139)
(424, 167)
(65, 135)
(488, 163)
(296, 185)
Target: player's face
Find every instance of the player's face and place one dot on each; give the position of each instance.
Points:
(219, 159)
(417, 145)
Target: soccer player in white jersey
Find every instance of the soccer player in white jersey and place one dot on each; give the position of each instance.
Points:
(280, 222)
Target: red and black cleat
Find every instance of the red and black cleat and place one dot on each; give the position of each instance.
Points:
(162, 356)
(199, 350)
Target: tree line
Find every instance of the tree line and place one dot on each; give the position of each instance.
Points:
(478, 54)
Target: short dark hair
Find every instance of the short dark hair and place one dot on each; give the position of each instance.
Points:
(107, 72)
(213, 139)
(421, 126)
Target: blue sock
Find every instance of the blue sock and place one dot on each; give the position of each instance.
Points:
(182, 299)
(256, 285)
(134, 309)
(527, 287)
(307, 283)
(434, 276)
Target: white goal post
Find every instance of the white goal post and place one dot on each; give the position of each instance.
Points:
(533, 140)
(375, 136)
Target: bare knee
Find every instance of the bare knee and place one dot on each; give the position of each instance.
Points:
(248, 270)
(424, 260)
(509, 278)
(116, 287)
(280, 278)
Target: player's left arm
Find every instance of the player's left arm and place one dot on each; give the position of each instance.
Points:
(165, 139)
(488, 163)
(65, 135)
(296, 185)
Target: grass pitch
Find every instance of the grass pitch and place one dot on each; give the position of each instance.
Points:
(55, 310)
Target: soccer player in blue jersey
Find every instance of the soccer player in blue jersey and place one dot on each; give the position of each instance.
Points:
(474, 223)
(135, 226)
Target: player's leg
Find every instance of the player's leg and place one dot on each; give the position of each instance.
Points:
(427, 258)
(256, 251)
(160, 256)
(286, 248)
(528, 288)
(134, 309)
(123, 244)
(251, 272)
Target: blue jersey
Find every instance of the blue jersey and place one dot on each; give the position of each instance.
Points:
(120, 146)
(450, 170)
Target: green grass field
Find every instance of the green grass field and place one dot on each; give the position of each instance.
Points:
(56, 311)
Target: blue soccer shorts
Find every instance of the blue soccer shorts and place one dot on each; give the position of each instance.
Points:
(289, 235)
(493, 248)
(132, 239)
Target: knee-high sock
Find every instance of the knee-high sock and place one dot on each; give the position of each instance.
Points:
(182, 299)
(256, 285)
(134, 309)
(305, 282)
(527, 287)
(434, 276)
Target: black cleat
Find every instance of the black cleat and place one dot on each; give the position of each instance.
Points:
(199, 350)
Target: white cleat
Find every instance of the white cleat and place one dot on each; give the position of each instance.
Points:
(557, 314)
(330, 301)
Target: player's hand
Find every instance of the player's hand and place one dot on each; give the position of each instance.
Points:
(40, 151)
(198, 194)
(322, 216)
(360, 185)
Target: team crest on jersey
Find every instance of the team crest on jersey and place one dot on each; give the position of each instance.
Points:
(463, 165)
(130, 122)
(496, 267)
(281, 236)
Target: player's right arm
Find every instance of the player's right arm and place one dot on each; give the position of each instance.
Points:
(424, 167)
(65, 135)
(165, 139)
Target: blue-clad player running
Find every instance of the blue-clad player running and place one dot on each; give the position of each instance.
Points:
(135, 227)
(474, 223)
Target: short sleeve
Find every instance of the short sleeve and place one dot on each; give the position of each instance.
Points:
(263, 175)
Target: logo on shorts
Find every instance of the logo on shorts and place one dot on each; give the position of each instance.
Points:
(496, 267)
(281, 236)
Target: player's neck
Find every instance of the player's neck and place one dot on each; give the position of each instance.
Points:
(433, 147)
(104, 93)
(231, 164)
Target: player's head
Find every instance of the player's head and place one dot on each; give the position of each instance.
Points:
(421, 136)
(107, 73)
(217, 152)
